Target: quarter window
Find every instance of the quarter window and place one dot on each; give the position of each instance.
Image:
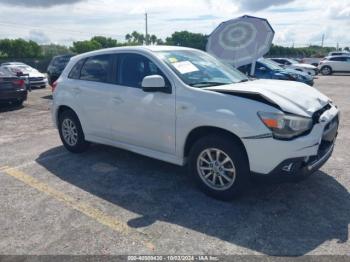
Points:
(75, 72)
(96, 69)
(341, 59)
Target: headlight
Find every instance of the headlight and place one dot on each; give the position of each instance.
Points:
(285, 126)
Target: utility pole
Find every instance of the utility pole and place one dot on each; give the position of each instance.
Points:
(322, 40)
(146, 23)
(337, 46)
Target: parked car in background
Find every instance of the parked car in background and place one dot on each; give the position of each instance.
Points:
(267, 69)
(335, 64)
(184, 106)
(293, 64)
(311, 60)
(12, 89)
(36, 79)
(56, 66)
(338, 53)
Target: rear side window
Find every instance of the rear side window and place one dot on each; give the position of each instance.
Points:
(97, 68)
(134, 67)
(342, 59)
(75, 72)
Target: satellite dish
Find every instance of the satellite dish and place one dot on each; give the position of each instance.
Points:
(241, 41)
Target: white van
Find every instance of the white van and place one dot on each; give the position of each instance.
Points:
(183, 106)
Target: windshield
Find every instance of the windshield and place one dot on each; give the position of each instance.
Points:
(270, 64)
(199, 69)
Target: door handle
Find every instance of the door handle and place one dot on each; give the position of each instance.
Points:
(76, 90)
(118, 100)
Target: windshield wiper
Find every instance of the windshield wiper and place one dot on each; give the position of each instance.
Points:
(207, 83)
(243, 80)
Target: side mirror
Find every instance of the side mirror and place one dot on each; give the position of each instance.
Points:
(154, 83)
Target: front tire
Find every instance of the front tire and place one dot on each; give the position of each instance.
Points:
(220, 166)
(18, 103)
(71, 132)
(326, 70)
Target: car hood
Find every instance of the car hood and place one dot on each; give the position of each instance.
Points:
(35, 74)
(307, 66)
(292, 97)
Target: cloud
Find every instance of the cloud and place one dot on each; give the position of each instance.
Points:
(256, 5)
(38, 3)
(39, 37)
(195, 18)
(340, 11)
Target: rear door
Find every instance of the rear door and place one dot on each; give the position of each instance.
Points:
(338, 63)
(138, 118)
(92, 89)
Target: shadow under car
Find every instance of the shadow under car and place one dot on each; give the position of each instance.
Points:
(286, 219)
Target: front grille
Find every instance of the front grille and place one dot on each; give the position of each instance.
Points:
(36, 78)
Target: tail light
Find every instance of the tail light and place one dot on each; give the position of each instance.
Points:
(19, 83)
(54, 86)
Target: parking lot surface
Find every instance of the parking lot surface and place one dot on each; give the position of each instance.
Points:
(110, 201)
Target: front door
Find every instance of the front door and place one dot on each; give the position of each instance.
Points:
(138, 118)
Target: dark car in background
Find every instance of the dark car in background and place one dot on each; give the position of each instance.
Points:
(56, 66)
(13, 89)
(36, 79)
(266, 69)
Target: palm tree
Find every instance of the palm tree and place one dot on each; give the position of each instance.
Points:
(153, 39)
(128, 37)
(135, 37)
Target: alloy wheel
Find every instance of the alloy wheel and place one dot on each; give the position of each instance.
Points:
(216, 169)
(69, 132)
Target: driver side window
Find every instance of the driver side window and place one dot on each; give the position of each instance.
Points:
(134, 67)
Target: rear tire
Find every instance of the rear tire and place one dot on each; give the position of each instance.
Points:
(71, 132)
(220, 166)
(326, 70)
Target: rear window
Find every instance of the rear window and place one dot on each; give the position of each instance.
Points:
(60, 62)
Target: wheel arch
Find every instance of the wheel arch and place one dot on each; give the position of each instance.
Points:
(63, 108)
(324, 66)
(203, 131)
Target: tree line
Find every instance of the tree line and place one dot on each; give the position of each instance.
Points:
(20, 48)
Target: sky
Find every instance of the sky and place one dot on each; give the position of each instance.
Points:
(296, 22)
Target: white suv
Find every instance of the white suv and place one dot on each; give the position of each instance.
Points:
(334, 64)
(183, 106)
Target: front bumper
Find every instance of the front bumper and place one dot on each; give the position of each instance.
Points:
(303, 154)
(37, 84)
(301, 166)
